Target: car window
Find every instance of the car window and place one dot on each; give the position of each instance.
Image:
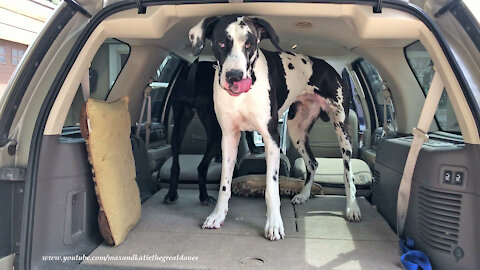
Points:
(422, 66)
(383, 106)
(103, 72)
(163, 77)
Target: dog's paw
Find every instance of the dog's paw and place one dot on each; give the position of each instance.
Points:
(215, 220)
(353, 211)
(300, 198)
(274, 227)
(170, 198)
(207, 200)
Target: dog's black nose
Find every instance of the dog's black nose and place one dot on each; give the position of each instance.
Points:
(234, 75)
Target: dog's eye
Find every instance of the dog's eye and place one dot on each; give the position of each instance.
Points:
(221, 44)
(248, 45)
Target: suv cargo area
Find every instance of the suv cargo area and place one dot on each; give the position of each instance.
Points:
(388, 59)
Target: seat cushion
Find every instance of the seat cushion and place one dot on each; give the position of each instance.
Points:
(330, 174)
(106, 129)
(256, 164)
(188, 168)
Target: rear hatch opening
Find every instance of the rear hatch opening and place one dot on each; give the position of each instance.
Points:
(126, 49)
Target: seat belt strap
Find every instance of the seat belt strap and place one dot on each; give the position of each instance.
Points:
(419, 137)
(148, 124)
(147, 101)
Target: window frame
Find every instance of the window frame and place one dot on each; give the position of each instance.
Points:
(345, 74)
(122, 67)
(67, 130)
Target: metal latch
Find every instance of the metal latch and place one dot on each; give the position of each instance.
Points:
(141, 8)
(378, 7)
(12, 174)
(77, 7)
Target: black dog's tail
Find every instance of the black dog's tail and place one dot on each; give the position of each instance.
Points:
(347, 93)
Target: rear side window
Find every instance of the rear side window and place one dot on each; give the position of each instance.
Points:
(103, 72)
(160, 93)
(383, 106)
(422, 66)
(160, 87)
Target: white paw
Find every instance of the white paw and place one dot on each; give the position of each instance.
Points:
(300, 198)
(353, 211)
(274, 227)
(215, 220)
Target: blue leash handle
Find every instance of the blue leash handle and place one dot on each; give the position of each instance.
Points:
(413, 259)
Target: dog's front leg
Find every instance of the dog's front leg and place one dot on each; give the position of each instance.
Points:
(229, 157)
(274, 225)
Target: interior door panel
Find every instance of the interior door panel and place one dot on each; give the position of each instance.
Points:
(442, 215)
(66, 207)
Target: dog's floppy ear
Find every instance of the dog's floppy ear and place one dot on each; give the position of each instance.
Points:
(199, 32)
(265, 30)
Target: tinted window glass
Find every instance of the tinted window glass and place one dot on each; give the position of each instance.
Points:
(422, 66)
(376, 86)
(104, 70)
(164, 76)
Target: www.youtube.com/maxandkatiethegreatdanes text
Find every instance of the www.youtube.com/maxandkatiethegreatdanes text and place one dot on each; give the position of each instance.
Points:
(133, 257)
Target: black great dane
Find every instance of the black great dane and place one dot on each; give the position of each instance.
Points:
(193, 92)
(253, 87)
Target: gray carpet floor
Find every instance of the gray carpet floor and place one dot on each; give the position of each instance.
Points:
(317, 237)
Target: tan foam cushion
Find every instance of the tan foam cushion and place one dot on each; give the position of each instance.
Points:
(255, 184)
(330, 171)
(106, 129)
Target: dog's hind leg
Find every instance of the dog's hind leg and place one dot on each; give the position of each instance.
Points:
(301, 116)
(230, 140)
(338, 116)
(182, 115)
(214, 134)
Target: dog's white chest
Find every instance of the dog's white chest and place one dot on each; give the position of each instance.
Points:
(248, 111)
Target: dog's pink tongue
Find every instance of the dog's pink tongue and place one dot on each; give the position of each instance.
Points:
(243, 85)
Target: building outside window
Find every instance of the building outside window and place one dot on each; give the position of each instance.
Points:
(20, 22)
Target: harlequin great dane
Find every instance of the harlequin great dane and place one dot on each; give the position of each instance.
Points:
(253, 87)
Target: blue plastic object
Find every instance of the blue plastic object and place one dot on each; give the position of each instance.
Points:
(413, 259)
